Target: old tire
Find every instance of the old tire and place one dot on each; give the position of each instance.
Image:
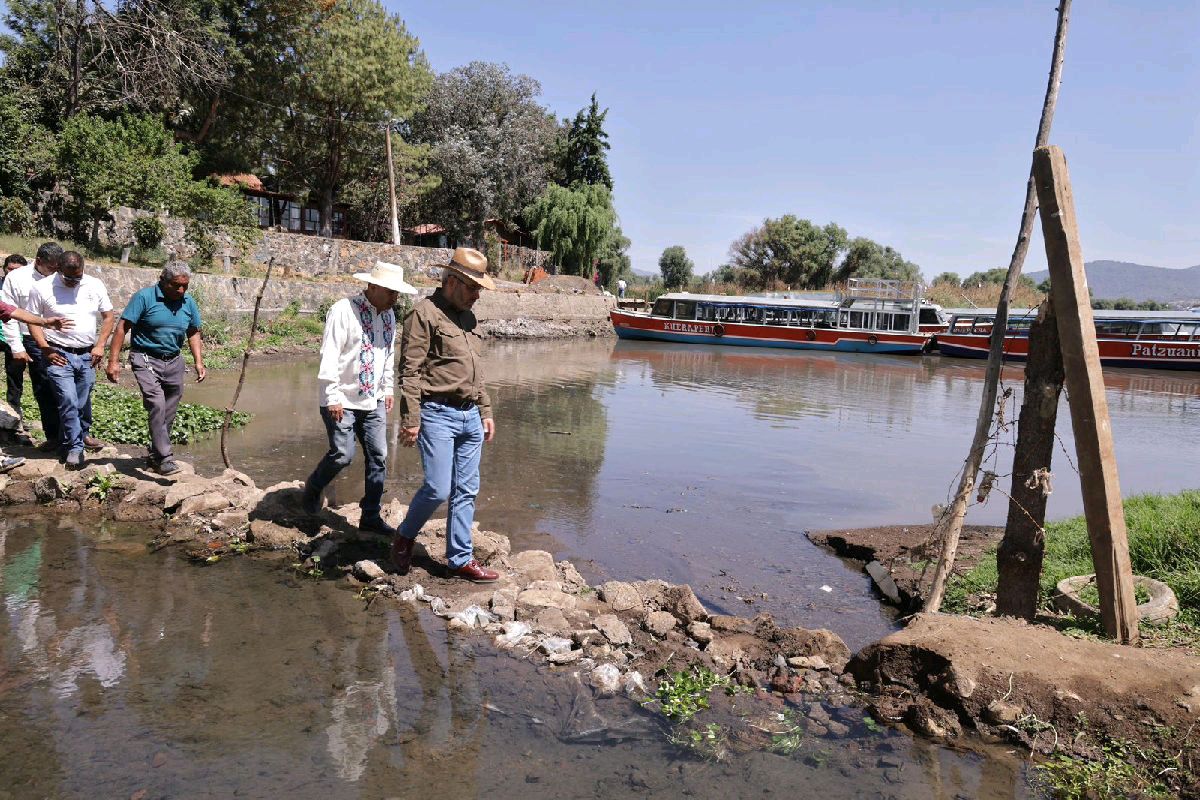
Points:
(1161, 606)
(872, 340)
(718, 329)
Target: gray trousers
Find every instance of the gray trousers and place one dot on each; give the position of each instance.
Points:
(161, 382)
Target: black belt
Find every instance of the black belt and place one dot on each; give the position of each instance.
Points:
(171, 357)
(452, 402)
(79, 351)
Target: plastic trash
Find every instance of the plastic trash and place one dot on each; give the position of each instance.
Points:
(474, 616)
(414, 593)
(554, 644)
(606, 679)
(514, 632)
(826, 588)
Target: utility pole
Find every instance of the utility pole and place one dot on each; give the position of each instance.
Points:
(392, 183)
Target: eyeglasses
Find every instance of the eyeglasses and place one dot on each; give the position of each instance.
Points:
(71, 281)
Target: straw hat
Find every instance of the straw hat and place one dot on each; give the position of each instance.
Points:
(389, 276)
(471, 265)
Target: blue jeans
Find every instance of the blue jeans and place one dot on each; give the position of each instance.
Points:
(451, 442)
(72, 383)
(370, 428)
(43, 388)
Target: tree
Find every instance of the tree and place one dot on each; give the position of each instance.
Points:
(583, 158)
(675, 266)
(789, 250)
(490, 142)
(26, 148)
(995, 276)
(354, 70)
(948, 277)
(613, 262)
(867, 259)
(575, 224)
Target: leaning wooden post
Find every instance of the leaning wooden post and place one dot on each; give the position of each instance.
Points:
(245, 360)
(1085, 389)
(950, 525)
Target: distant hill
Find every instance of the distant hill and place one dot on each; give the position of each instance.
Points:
(1110, 280)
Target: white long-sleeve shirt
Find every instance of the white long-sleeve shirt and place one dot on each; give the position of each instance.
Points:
(15, 292)
(343, 340)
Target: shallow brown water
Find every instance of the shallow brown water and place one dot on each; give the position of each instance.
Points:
(130, 674)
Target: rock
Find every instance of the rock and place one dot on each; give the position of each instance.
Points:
(126, 511)
(148, 494)
(18, 493)
(817, 713)
(545, 598)
(504, 604)
(550, 645)
(701, 632)
(635, 684)
(181, 491)
(550, 586)
(270, 535)
(836, 728)
(883, 579)
(620, 596)
(807, 662)
(959, 684)
(681, 602)
(570, 576)
(92, 470)
(10, 419)
(605, 679)
(568, 657)
(202, 504)
(35, 468)
(933, 721)
(820, 642)
(237, 477)
(368, 571)
(730, 624)
(49, 488)
(551, 620)
(614, 630)
(660, 623)
(488, 545)
(536, 565)
(230, 520)
(1002, 712)
(732, 648)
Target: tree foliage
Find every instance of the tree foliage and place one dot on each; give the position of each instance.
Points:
(995, 276)
(948, 277)
(868, 259)
(582, 158)
(675, 266)
(490, 141)
(614, 262)
(789, 251)
(574, 224)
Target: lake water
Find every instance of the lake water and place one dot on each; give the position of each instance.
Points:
(125, 673)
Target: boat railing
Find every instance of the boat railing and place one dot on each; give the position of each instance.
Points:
(879, 289)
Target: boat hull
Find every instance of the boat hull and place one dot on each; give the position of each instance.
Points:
(731, 334)
(1145, 354)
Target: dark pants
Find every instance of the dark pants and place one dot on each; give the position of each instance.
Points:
(14, 373)
(370, 428)
(161, 382)
(43, 389)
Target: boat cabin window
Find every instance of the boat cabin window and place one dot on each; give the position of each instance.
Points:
(928, 316)
(685, 309)
(662, 308)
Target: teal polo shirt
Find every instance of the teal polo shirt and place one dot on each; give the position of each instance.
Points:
(160, 328)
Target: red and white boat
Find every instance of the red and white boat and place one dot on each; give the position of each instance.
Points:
(865, 317)
(1153, 339)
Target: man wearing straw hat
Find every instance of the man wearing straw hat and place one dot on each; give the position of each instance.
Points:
(356, 378)
(446, 413)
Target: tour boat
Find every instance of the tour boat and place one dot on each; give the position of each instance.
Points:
(867, 316)
(1154, 339)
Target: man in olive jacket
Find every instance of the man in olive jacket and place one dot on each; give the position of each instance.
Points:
(446, 413)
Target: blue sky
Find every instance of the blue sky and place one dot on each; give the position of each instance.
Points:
(911, 123)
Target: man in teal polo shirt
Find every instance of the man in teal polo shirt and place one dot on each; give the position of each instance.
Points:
(161, 317)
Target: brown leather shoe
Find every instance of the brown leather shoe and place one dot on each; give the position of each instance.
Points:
(92, 443)
(402, 553)
(475, 572)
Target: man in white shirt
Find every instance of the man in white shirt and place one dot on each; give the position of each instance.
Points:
(356, 377)
(25, 352)
(73, 355)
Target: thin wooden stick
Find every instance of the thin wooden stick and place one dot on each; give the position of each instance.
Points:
(952, 521)
(245, 360)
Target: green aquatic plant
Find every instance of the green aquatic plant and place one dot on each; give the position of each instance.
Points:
(99, 485)
(682, 695)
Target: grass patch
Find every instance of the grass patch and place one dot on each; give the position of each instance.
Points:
(118, 417)
(1164, 544)
(1118, 769)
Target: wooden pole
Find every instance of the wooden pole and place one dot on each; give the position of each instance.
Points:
(1085, 390)
(392, 185)
(952, 521)
(245, 360)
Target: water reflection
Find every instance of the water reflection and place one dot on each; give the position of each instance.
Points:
(138, 674)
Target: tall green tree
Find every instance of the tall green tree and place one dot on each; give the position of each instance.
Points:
(574, 224)
(790, 251)
(995, 276)
(614, 262)
(675, 266)
(355, 69)
(491, 143)
(868, 259)
(583, 157)
(948, 277)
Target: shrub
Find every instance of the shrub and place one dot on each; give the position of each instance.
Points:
(15, 216)
(148, 232)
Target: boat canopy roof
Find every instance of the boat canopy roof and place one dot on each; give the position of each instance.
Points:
(745, 300)
(1100, 314)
